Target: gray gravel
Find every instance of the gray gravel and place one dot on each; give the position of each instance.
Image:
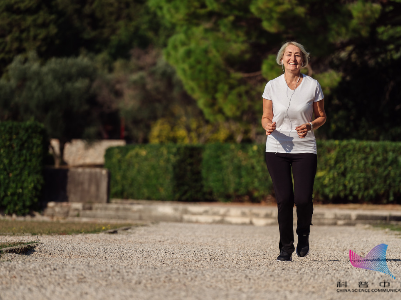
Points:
(196, 261)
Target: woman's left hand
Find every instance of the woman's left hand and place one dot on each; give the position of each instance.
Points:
(302, 130)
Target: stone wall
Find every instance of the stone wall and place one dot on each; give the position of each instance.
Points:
(165, 211)
(83, 185)
(80, 152)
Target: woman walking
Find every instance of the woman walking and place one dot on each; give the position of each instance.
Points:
(289, 101)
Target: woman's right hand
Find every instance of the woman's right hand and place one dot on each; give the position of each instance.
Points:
(270, 128)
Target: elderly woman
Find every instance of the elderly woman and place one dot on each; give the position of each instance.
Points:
(288, 104)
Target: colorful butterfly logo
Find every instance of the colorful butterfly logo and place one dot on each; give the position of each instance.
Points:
(375, 260)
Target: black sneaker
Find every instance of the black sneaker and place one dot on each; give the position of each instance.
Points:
(303, 245)
(284, 256)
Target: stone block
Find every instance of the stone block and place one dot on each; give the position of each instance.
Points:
(262, 212)
(77, 206)
(330, 215)
(396, 218)
(79, 152)
(263, 221)
(372, 217)
(324, 221)
(202, 219)
(237, 220)
(218, 210)
(343, 216)
(82, 185)
(345, 223)
(90, 185)
(197, 209)
(166, 209)
(238, 212)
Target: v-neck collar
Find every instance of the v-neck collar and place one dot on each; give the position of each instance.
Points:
(303, 79)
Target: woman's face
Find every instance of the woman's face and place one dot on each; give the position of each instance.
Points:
(292, 58)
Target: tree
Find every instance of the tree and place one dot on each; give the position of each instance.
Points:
(57, 94)
(63, 28)
(144, 89)
(224, 51)
(365, 104)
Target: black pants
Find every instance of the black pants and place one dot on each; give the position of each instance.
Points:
(303, 167)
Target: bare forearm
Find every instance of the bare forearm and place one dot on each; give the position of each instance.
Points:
(266, 121)
(318, 122)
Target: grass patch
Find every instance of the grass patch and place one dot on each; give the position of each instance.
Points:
(9, 227)
(4, 245)
(13, 244)
(392, 227)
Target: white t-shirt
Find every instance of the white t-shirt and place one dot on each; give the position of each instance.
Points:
(291, 109)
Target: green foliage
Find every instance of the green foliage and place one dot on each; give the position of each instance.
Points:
(197, 131)
(359, 170)
(26, 25)
(219, 48)
(57, 94)
(144, 89)
(60, 28)
(224, 52)
(22, 151)
(155, 172)
(347, 171)
(270, 69)
(232, 171)
(366, 105)
(329, 81)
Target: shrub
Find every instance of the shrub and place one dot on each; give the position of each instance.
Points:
(234, 171)
(358, 171)
(157, 172)
(22, 152)
(355, 171)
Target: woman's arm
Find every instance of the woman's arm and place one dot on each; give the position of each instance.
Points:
(320, 119)
(267, 116)
(320, 114)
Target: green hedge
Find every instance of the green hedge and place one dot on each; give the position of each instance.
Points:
(22, 152)
(358, 170)
(347, 170)
(160, 172)
(235, 171)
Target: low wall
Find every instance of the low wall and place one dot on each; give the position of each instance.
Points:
(79, 152)
(155, 211)
(83, 185)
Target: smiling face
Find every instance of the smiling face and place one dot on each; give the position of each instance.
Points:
(292, 59)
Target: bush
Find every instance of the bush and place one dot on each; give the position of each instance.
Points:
(235, 171)
(22, 152)
(358, 171)
(156, 172)
(347, 171)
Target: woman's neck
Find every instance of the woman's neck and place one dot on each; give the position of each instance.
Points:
(292, 77)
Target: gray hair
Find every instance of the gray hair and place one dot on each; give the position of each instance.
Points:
(305, 55)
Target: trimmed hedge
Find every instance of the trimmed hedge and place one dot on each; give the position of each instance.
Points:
(235, 171)
(160, 172)
(22, 152)
(347, 170)
(359, 170)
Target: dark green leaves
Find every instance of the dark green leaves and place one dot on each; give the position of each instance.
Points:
(22, 151)
(347, 171)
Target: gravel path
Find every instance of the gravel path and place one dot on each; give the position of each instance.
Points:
(196, 261)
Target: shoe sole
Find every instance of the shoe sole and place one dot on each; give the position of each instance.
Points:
(300, 255)
(284, 260)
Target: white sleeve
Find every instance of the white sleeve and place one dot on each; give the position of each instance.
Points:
(318, 93)
(267, 94)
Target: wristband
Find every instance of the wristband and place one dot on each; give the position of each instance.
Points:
(311, 126)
